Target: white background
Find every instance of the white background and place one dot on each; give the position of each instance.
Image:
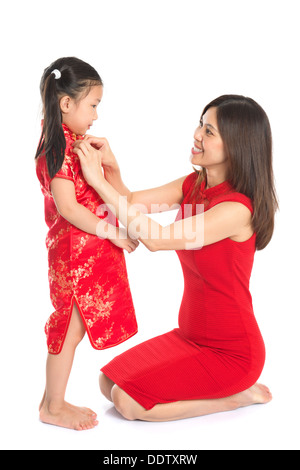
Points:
(161, 63)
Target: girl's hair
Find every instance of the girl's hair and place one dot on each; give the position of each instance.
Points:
(75, 80)
(246, 133)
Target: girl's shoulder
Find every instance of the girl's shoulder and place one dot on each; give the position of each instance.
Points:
(69, 169)
(71, 159)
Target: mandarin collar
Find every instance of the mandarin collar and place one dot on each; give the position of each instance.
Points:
(209, 193)
(71, 134)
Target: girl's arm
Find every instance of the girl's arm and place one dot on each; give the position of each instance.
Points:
(154, 200)
(229, 219)
(63, 192)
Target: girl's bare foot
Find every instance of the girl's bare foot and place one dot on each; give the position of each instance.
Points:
(67, 416)
(84, 410)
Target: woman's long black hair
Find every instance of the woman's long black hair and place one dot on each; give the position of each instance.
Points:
(246, 133)
(75, 78)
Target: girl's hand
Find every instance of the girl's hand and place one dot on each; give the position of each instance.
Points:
(90, 160)
(108, 160)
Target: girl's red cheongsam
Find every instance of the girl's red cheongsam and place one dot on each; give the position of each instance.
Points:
(83, 268)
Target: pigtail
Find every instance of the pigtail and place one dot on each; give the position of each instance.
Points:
(66, 76)
(52, 142)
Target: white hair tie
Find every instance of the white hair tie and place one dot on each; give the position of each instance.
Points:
(57, 74)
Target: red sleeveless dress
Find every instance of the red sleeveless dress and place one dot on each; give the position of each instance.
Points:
(83, 268)
(218, 350)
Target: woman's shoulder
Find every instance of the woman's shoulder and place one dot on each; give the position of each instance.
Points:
(189, 182)
(233, 196)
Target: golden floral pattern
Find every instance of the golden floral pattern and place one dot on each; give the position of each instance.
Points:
(83, 268)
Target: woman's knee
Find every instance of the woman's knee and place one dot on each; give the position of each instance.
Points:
(106, 386)
(126, 405)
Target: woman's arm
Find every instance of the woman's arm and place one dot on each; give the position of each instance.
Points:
(160, 199)
(64, 196)
(154, 200)
(228, 219)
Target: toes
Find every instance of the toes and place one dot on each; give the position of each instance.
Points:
(71, 417)
(85, 425)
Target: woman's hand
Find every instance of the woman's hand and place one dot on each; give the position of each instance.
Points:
(108, 160)
(90, 160)
(124, 242)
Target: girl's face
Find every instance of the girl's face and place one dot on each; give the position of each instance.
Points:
(80, 115)
(208, 150)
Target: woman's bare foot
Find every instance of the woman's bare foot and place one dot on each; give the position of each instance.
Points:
(257, 394)
(67, 416)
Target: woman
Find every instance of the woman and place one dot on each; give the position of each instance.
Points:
(211, 363)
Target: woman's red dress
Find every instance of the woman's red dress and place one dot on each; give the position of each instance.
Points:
(83, 268)
(218, 350)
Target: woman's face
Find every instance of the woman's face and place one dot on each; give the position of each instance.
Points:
(208, 150)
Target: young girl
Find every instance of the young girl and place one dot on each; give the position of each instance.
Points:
(87, 274)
